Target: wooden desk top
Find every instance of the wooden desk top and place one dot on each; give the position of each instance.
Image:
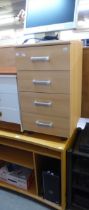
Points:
(50, 142)
(8, 70)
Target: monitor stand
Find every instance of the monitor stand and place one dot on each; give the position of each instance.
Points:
(50, 36)
(47, 36)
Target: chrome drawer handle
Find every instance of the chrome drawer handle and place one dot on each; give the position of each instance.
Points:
(44, 124)
(42, 58)
(39, 103)
(41, 82)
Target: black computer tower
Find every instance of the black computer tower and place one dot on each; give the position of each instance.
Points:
(51, 186)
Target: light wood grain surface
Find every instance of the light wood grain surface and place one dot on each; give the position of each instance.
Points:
(85, 84)
(51, 142)
(61, 73)
(7, 60)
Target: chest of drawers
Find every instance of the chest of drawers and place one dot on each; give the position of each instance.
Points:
(49, 84)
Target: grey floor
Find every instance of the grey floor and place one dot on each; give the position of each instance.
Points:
(13, 201)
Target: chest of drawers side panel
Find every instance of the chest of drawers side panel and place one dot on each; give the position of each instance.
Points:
(75, 83)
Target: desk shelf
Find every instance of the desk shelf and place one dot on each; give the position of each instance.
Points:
(33, 151)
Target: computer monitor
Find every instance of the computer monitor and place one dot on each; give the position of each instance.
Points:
(50, 15)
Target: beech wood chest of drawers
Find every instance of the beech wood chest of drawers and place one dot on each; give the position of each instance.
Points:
(49, 84)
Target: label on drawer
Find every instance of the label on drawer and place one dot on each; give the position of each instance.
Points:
(65, 49)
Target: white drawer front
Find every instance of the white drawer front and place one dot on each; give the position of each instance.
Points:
(9, 115)
(9, 100)
(8, 84)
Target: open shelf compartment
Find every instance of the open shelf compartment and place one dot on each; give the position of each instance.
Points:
(48, 173)
(18, 156)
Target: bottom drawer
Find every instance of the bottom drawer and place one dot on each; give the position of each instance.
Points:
(44, 124)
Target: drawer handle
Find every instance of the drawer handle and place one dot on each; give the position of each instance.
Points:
(42, 58)
(0, 114)
(44, 124)
(39, 103)
(41, 82)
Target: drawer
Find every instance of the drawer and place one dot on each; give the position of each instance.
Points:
(55, 57)
(39, 81)
(45, 124)
(9, 115)
(8, 84)
(46, 104)
(8, 100)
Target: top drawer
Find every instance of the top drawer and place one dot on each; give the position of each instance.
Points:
(55, 57)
